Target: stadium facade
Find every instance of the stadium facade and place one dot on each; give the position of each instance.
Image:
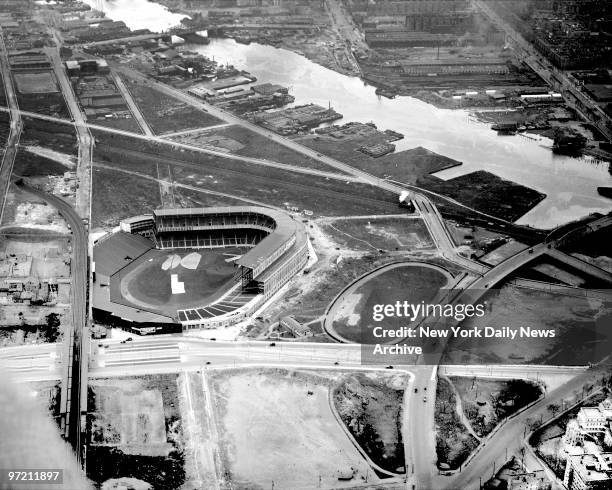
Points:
(277, 250)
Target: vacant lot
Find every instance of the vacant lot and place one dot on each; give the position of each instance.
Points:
(117, 195)
(350, 317)
(262, 183)
(123, 123)
(166, 114)
(488, 193)
(135, 430)
(370, 405)
(454, 443)
(28, 164)
(278, 426)
(49, 104)
(405, 234)
(486, 402)
(59, 137)
(251, 144)
(404, 166)
(35, 83)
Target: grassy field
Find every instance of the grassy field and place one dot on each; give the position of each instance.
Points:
(453, 441)
(256, 146)
(30, 165)
(5, 128)
(134, 430)
(581, 335)
(351, 315)
(147, 284)
(35, 82)
(486, 402)
(49, 104)
(277, 426)
(58, 137)
(268, 185)
(117, 196)
(129, 124)
(400, 234)
(487, 193)
(370, 405)
(166, 114)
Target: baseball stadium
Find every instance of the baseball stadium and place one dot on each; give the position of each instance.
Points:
(195, 267)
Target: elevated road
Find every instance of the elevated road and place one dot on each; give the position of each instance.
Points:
(127, 95)
(558, 79)
(83, 170)
(75, 349)
(10, 151)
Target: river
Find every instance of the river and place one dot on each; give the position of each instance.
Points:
(570, 184)
(138, 14)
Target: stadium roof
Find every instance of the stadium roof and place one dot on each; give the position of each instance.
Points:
(118, 250)
(286, 227)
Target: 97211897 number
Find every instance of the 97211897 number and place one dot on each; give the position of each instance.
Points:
(31, 476)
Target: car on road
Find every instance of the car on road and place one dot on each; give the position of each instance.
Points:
(129, 339)
(425, 399)
(389, 367)
(416, 390)
(272, 344)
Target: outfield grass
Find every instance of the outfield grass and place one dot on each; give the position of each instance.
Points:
(147, 283)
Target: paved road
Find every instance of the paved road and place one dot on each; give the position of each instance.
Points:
(83, 170)
(10, 151)
(73, 353)
(163, 140)
(133, 107)
(510, 437)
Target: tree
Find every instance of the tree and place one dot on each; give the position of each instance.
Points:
(53, 327)
(553, 408)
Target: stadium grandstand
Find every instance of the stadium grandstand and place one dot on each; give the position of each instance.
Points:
(269, 247)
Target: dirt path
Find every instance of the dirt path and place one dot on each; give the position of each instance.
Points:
(459, 410)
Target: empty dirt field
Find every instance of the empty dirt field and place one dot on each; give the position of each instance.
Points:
(277, 429)
(367, 234)
(135, 430)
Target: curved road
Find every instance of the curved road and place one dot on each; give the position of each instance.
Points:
(71, 393)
